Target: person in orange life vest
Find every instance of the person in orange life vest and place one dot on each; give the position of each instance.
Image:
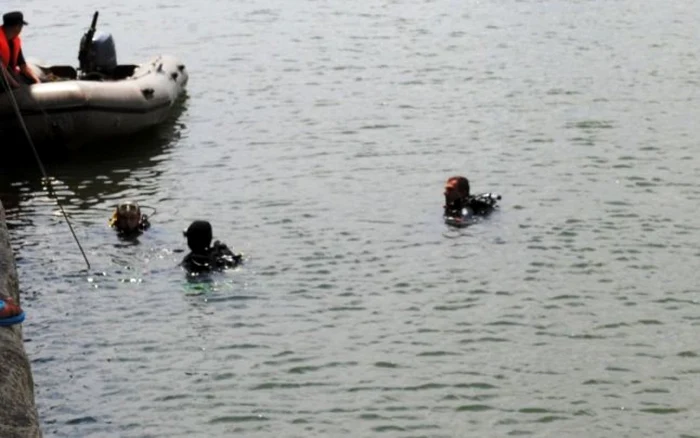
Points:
(11, 55)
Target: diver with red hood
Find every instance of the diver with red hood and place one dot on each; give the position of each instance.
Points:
(461, 207)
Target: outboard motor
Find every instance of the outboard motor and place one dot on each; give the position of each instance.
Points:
(103, 55)
(97, 54)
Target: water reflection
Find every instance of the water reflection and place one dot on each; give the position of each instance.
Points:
(86, 178)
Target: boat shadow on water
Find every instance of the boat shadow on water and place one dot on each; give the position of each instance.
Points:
(103, 165)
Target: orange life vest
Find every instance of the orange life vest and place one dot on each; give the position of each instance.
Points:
(9, 60)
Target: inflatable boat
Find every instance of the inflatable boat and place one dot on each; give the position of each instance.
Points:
(101, 99)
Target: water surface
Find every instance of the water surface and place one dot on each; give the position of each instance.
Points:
(316, 137)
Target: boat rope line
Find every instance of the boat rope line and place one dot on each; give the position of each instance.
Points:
(15, 106)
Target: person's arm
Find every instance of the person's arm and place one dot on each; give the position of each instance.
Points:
(24, 68)
(8, 77)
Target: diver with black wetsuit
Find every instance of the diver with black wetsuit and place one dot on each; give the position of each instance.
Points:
(205, 257)
(460, 204)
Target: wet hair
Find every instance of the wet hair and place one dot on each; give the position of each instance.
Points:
(460, 183)
(199, 236)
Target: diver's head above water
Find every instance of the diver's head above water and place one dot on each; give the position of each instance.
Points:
(199, 235)
(127, 217)
(456, 190)
(205, 256)
(461, 204)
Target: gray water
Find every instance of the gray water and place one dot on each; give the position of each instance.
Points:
(316, 137)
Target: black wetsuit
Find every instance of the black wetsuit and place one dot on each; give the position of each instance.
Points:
(475, 205)
(215, 258)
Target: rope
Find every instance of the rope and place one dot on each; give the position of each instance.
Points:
(15, 106)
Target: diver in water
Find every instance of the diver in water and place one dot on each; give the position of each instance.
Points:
(204, 256)
(128, 220)
(460, 205)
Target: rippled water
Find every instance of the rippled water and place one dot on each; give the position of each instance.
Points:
(316, 137)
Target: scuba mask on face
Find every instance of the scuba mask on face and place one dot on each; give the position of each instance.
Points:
(452, 197)
(127, 216)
